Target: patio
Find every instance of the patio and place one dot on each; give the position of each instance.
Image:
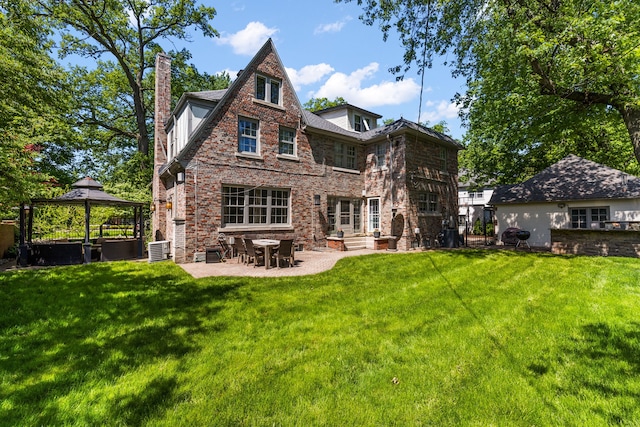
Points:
(307, 262)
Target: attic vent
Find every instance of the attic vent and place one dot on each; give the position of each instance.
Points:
(239, 72)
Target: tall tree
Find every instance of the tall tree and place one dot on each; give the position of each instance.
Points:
(538, 71)
(122, 36)
(33, 109)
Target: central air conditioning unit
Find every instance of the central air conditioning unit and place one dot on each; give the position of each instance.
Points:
(159, 250)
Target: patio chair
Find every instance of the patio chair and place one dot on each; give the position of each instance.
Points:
(285, 252)
(224, 245)
(238, 247)
(252, 253)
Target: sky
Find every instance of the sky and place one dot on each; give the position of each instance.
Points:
(328, 52)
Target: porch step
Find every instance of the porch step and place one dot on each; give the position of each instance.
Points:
(355, 243)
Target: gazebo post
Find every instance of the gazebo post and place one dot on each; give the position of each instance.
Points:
(140, 231)
(23, 249)
(31, 210)
(87, 243)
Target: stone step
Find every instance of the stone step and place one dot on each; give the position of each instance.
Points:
(355, 242)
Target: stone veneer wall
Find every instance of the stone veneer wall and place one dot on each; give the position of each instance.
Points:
(596, 242)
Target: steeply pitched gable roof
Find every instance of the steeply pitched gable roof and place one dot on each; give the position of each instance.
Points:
(572, 178)
(221, 97)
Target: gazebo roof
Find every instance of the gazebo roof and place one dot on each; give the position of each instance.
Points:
(88, 190)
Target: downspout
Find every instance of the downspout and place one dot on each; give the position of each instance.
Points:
(393, 202)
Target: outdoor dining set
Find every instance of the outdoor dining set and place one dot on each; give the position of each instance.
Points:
(256, 251)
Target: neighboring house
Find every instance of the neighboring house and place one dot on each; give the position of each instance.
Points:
(473, 205)
(573, 194)
(250, 160)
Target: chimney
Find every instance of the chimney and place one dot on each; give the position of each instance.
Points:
(162, 111)
(162, 107)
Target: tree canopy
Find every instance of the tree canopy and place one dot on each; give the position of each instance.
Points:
(123, 37)
(33, 111)
(545, 77)
(94, 116)
(317, 104)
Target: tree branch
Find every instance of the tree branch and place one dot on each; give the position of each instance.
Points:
(549, 87)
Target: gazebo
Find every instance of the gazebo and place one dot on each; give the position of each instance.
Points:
(86, 192)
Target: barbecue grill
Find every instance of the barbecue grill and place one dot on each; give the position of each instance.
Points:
(523, 236)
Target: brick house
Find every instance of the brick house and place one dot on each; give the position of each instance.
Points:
(250, 160)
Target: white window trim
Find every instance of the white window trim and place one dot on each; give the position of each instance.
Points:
(267, 90)
(345, 170)
(370, 225)
(588, 219)
(257, 153)
(262, 226)
(294, 155)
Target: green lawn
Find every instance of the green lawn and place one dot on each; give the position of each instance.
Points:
(427, 338)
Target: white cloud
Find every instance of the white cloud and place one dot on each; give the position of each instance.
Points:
(248, 40)
(351, 88)
(443, 110)
(333, 27)
(308, 74)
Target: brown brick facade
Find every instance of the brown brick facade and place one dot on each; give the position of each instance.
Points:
(213, 161)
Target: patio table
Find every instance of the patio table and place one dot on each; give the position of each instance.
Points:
(267, 245)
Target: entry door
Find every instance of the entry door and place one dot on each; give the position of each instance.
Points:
(345, 214)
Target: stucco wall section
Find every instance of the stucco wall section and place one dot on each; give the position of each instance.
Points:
(540, 218)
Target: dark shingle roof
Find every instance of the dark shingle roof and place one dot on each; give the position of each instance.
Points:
(318, 122)
(572, 178)
(208, 95)
(315, 121)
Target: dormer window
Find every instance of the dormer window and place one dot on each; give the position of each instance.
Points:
(361, 124)
(268, 89)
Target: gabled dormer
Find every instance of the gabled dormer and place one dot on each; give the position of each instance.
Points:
(192, 109)
(350, 117)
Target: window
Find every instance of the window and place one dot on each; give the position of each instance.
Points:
(171, 139)
(268, 89)
(331, 213)
(374, 214)
(287, 142)
(381, 155)
(589, 217)
(255, 206)
(361, 124)
(248, 136)
(598, 217)
(345, 155)
(357, 123)
(443, 159)
(427, 203)
(279, 207)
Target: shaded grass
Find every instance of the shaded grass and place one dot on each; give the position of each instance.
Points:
(438, 338)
